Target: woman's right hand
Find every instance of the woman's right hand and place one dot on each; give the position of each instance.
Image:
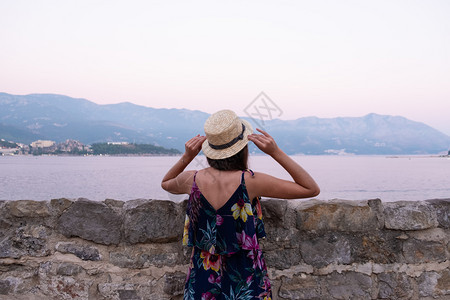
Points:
(177, 181)
(193, 146)
(264, 142)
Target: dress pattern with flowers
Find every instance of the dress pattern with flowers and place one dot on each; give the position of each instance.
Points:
(227, 262)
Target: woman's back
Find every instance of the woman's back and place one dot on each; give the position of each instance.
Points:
(226, 261)
(218, 186)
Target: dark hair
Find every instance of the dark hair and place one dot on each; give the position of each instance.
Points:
(235, 162)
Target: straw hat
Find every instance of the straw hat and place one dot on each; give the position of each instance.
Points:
(226, 134)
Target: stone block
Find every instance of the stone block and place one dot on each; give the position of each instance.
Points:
(154, 221)
(274, 212)
(111, 290)
(138, 258)
(114, 203)
(128, 291)
(65, 287)
(395, 286)
(404, 215)
(283, 258)
(346, 216)
(4, 226)
(45, 268)
(91, 220)
(125, 260)
(432, 235)
(21, 286)
(346, 285)
(174, 283)
(68, 269)
(427, 284)
(28, 208)
(417, 251)
(128, 295)
(326, 249)
(83, 252)
(279, 237)
(443, 283)
(4, 212)
(442, 208)
(300, 287)
(382, 247)
(5, 287)
(60, 205)
(434, 284)
(29, 240)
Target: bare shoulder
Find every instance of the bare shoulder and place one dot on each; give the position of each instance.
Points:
(256, 177)
(185, 180)
(203, 175)
(187, 174)
(254, 182)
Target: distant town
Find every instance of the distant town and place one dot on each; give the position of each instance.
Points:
(74, 147)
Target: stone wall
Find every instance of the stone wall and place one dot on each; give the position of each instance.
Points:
(64, 249)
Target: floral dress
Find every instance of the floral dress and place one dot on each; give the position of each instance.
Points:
(227, 262)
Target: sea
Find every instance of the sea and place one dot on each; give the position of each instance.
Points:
(389, 178)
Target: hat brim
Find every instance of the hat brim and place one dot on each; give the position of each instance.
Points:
(230, 151)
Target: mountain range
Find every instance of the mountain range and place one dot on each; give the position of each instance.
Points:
(26, 118)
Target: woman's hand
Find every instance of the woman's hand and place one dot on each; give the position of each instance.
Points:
(265, 185)
(176, 181)
(193, 146)
(264, 142)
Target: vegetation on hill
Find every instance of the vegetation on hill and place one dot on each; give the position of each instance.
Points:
(130, 149)
(5, 144)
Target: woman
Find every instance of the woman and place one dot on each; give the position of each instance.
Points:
(223, 219)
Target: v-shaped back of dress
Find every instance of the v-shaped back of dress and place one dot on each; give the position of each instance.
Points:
(220, 231)
(240, 189)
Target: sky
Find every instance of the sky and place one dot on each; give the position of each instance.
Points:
(311, 58)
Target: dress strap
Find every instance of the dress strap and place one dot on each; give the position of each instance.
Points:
(195, 175)
(194, 184)
(243, 173)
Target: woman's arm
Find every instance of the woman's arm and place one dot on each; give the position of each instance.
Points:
(265, 185)
(176, 181)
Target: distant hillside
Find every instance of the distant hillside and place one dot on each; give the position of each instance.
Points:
(371, 134)
(131, 149)
(59, 117)
(56, 117)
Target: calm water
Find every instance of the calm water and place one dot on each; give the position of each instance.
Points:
(125, 178)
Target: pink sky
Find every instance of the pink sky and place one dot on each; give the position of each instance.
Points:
(313, 58)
